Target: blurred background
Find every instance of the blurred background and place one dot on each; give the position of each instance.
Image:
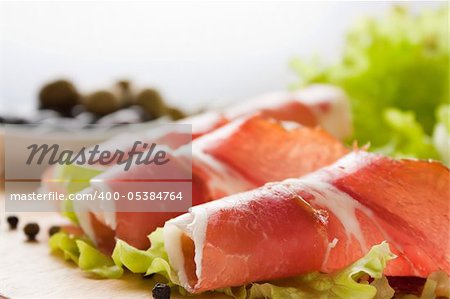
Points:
(391, 58)
(193, 52)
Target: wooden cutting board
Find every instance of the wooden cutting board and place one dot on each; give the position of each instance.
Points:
(28, 270)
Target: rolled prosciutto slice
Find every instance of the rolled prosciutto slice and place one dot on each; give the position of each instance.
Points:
(237, 157)
(317, 105)
(321, 222)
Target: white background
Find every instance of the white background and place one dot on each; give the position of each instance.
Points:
(197, 53)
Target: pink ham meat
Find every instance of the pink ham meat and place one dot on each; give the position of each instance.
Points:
(317, 105)
(272, 150)
(321, 222)
(216, 172)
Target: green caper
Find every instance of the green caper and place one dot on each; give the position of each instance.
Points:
(176, 113)
(101, 103)
(60, 96)
(152, 102)
(124, 92)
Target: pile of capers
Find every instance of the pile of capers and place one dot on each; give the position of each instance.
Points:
(61, 103)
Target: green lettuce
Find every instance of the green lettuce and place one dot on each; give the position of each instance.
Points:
(350, 282)
(441, 134)
(151, 261)
(347, 283)
(395, 63)
(75, 178)
(342, 284)
(408, 138)
(85, 255)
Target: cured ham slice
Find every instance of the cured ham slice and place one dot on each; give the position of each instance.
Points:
(262, 145)
(317, 105)
(323, 221)
(274, 152)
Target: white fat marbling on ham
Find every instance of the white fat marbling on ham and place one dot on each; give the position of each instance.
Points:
(266, 101)
(222, 178)
(327, 196)
(342, 205)
(328, 103)
(347, 165)
(330, 246)
(103, 210)
(82, 209)
(106, 212)
(193, 224)
(331, 107)
(172, 240)
(290, 125)
(318, 184)
(204, 122)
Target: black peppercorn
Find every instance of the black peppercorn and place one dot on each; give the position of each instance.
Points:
(53, 230)
(161, 291)
(31, 230)
(12, 221)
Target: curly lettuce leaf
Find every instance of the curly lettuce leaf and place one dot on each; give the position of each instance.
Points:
(74, 178)
(396, 62)
(351, 282)
(441, 134)
(408, 138)
(151, 261)
(85, 255)
(347, 283)
(342, 284)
